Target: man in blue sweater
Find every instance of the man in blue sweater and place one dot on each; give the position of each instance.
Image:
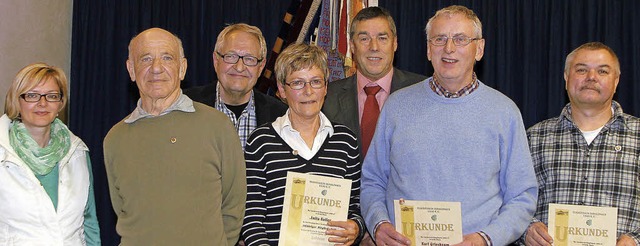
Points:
(451, 138)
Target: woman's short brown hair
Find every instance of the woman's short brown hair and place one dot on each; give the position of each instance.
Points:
(298, 56)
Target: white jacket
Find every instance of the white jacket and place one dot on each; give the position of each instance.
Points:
(27, 215)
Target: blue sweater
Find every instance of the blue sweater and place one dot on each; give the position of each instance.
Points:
(471, 149)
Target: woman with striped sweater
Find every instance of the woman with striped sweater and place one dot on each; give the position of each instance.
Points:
(303, 140)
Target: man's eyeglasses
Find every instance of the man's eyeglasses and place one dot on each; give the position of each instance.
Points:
(299, 84)
(35, 97)
(457, 40)
(233, 59)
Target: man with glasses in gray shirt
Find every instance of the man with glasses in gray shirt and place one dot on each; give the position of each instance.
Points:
(239, 58)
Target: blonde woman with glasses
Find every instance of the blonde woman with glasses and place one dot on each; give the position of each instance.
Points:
(46, 185)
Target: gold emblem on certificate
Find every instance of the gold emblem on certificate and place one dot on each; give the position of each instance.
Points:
(429, 223)
(310, 202)
(582, 225)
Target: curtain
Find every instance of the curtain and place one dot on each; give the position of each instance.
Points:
(526, 44)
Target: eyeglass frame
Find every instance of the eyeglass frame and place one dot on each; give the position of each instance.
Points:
(304, 84)
(447, 38)
(239, 58)
(24, 97)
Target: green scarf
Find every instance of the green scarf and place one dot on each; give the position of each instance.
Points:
(40, 160)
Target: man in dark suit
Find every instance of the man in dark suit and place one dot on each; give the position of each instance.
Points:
(373, 44)
(238, 58)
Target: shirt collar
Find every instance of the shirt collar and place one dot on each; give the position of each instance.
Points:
(219, 103)
(283, 123)
(184, 104)
(441, 91)
(384, 82)
(617, 116)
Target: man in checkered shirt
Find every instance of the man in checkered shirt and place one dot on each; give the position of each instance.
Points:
(589, 154)
(239, 56)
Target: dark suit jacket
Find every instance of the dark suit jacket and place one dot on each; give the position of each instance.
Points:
(341, 104)
(268, 108)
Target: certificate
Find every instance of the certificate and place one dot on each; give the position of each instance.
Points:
(582, 225)
(429, 223)
(310, 201)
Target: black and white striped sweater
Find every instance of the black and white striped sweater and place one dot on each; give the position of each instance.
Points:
(269, 158)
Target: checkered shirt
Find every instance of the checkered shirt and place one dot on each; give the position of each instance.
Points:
(466, 90)
(603, 173)
(244, 124)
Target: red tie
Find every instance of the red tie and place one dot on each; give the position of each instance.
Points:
(369, 117)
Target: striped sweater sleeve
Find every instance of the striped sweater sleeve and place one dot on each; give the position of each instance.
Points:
(344, 139)
(253, 230)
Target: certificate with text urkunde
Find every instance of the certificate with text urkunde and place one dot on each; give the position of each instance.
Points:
(310, 202)
(582, 225)
(429, 222)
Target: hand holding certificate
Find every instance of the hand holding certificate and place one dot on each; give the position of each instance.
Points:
(429, 223)
(310, 202)
(582, 225)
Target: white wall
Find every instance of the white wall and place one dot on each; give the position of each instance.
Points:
(33, 31)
